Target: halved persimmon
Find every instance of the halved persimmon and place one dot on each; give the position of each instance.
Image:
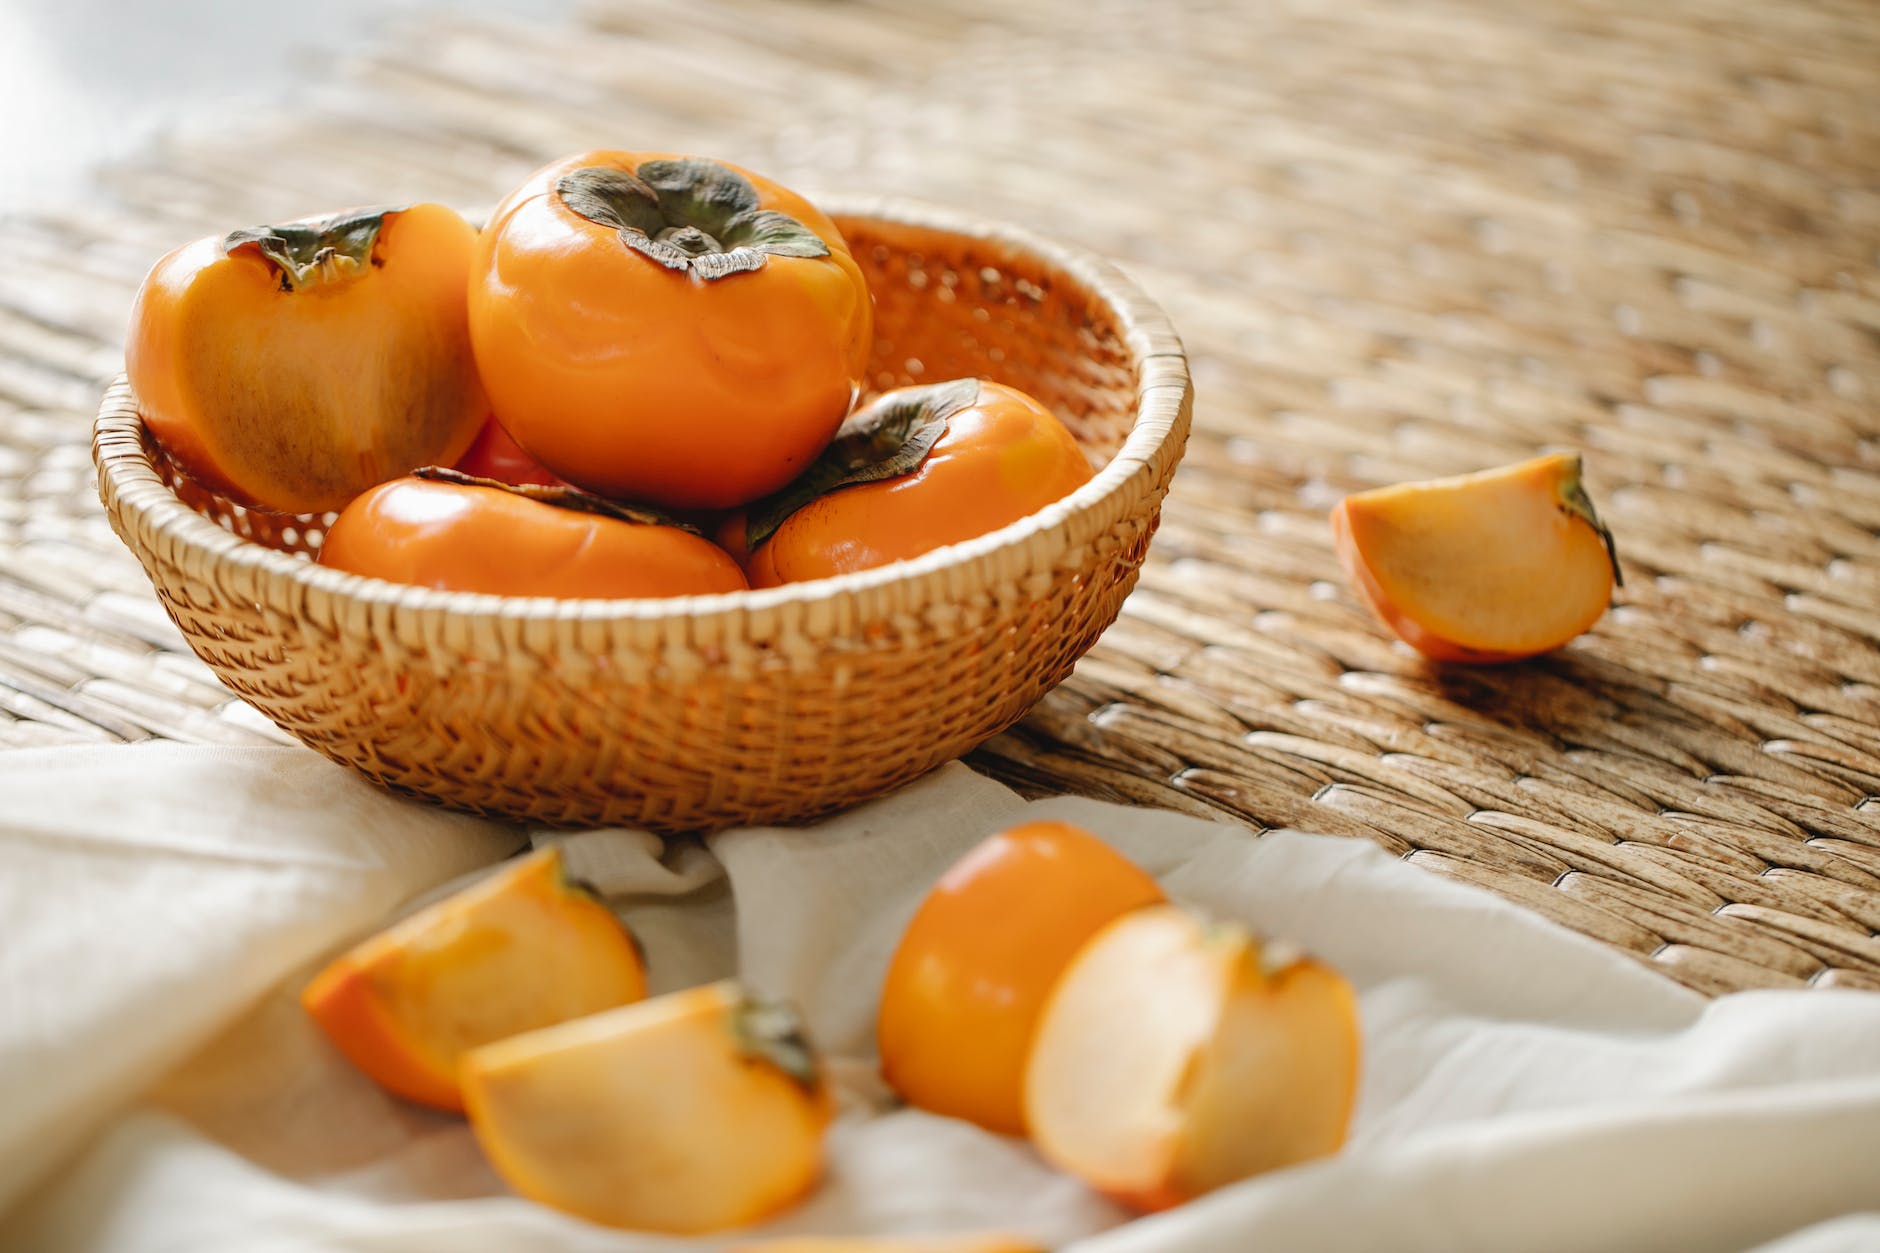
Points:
(522, 949)
(485, 536)
(1487, 567)
(292, 367)
(692, 1112)
(971, 973)
(1177, 1055)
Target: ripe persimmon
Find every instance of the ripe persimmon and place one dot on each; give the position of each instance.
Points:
(967, 982)
(522, 949)
(291, 367)
(667, 329)
(494, 455)
(944, 463)
(479, 537)
(1487, 567)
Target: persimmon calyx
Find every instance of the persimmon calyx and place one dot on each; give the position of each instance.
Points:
(772, 1032)
(688, 214)
(1574, 500)
(890, 435)
(320, 250)
(563, 498)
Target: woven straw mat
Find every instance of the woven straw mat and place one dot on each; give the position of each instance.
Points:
(1400, 240)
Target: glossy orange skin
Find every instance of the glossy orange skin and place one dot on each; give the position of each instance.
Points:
(643, 383)
(970, 977)
(483, 539)
(1000, 460)
(297, 401)
(494, 455)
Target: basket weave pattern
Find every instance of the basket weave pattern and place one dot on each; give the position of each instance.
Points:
(765, 707)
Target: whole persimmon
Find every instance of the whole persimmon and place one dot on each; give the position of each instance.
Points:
(494, 455)
(291, 367)
(969, 979)
(668, 329)
(911, 471)
(484, 537)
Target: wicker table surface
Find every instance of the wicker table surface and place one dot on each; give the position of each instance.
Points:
(1399, 239)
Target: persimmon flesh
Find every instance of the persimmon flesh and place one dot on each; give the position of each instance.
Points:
(1177, 1055)
(1487, 567)
(289, 368)
(521, 949)
(693, 1112)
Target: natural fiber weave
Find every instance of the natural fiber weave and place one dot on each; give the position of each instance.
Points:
(698, 713)
(1400, 238)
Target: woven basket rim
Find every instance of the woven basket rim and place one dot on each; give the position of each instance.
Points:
(131, 484)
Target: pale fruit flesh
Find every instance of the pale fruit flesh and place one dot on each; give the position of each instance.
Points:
(656, 1116)
(519, 950)
(1494, 566)
(1170, 1061)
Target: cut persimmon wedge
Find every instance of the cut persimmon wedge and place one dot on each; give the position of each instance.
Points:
(1487, 567)
(1177, 1055)
(692, 1112)
(522, 949)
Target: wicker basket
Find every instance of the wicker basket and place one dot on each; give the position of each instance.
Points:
(703, 712)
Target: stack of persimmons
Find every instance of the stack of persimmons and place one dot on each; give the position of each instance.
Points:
(1045, 986)
(638, 379)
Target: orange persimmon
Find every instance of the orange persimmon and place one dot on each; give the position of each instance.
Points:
(1177, 1055)
(482, 538)
(692, 1112)
(292, 367)
(967, 982)
(667, 329)
(494, 455)
(522, 949)
(994, 455)
(1487, 567)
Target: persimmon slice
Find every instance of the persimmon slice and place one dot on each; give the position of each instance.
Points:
(1177, 1055)
(1486, 567)
(522, 949)
(689, 1113)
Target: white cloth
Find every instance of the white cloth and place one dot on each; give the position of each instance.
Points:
(1524, 1088)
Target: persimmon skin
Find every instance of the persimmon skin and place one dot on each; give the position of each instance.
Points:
(1000, 459)
(483, 539)
(639, 382)
(295, 401)
(970, 976)
(1483, 568)
(494, 455)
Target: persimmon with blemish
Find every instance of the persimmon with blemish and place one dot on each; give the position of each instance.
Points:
(291, 367)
